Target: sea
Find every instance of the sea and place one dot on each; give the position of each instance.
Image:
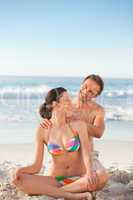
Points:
(21, 96)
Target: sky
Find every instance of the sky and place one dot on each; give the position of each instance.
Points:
(66, 37)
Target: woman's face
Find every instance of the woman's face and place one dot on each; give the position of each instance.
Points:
(62, 106)
(65, 101)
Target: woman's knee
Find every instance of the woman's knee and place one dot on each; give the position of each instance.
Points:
(103, 179)
(89, 187)
(22, 183)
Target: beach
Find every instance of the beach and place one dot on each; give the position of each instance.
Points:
(116, 156)
(85, 47)
(20, 98)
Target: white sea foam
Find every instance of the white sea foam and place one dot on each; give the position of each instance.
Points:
(24, 92)
(118, 93)
(119, 113)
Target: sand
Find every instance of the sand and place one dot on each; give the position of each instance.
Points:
(115, 155)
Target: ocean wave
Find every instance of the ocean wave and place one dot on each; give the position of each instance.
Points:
(19, 117)
(118, 93)
(31, 114)
(34, 92)
(119, 113)
(31, 92)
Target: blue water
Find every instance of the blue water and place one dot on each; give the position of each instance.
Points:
(20, 98)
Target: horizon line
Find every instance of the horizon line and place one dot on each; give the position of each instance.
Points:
(66, 76)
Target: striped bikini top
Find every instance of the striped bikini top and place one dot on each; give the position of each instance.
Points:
(72, 145)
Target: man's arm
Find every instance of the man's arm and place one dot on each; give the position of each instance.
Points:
(97, 128)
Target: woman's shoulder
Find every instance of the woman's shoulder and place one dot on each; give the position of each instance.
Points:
(42, 134)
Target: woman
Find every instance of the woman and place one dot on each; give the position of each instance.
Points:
(71, 174)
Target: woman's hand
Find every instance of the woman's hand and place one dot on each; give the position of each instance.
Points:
(17, 174)
(45, 123)
(92, 177)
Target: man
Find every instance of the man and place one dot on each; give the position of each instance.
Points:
(91, 112)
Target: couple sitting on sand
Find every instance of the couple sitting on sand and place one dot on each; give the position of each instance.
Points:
(67, 130)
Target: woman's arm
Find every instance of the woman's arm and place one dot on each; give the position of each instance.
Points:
(85, 145)
(39, 152)
(86, 153)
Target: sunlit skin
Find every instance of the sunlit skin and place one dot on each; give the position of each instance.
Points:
(65, 164)
(89, 89)
(92, 113)
(87, 110)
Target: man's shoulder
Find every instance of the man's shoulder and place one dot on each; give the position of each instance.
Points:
(98, 108)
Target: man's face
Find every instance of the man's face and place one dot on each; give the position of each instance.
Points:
(89, 90)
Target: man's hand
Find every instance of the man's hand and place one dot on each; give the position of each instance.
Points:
(45, 123)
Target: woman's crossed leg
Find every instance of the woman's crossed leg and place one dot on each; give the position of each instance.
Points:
(46, 185)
